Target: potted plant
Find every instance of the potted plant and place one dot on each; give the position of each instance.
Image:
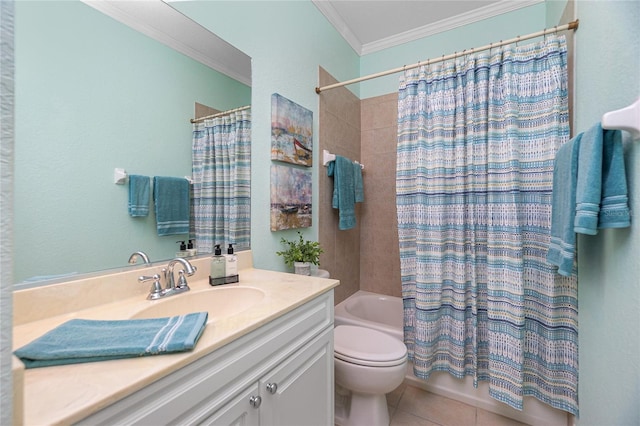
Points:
(301, 254)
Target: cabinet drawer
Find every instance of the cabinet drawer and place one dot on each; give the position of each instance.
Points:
(193, 393)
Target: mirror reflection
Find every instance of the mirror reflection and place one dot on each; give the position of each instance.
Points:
(93, 95)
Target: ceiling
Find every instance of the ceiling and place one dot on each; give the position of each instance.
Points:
(372, 25)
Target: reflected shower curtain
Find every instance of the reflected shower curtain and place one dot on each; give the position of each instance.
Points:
(477, 139)
(221, 182)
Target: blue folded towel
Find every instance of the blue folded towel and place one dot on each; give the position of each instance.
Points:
(601, 194)
(139, 191)
(78, 340)
(563, 207)
(344, 190)
(171, 196)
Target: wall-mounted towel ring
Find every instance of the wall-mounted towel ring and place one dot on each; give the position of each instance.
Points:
(624, 119)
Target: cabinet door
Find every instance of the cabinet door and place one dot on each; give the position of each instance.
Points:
(243, 410)
(299, 392)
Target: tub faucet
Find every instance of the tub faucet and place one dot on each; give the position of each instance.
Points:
(142, 255)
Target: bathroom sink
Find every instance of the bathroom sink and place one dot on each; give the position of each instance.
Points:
(218, 302)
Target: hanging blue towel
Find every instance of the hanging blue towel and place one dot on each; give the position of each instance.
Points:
(589, 181)
(171, 196)
(139, 191)
(79, 340)
(357, 183)
(614, 206)
(601, 194)
(562, 246)
(344, 190)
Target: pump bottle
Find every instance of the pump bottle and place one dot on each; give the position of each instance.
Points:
(231, 266)
(191, 249)
(217, 274)
(183, 250)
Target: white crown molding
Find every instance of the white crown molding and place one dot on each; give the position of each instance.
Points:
(163, 23)
(476, 15)
(485, 12)
(327, 9)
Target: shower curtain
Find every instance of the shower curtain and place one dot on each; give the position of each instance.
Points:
(221, 182)
(477, 138)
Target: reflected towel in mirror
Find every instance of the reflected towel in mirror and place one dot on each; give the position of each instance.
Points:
(139, 191)
(171, 197)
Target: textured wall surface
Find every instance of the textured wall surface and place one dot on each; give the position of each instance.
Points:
(608, 78)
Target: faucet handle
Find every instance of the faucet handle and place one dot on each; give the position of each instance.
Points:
(156, 288)
(182, 280)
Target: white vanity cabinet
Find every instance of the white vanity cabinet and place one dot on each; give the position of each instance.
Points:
(278, 374)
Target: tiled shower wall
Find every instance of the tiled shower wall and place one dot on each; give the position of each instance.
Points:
(379, 253)
(339, 133)
(366, 257)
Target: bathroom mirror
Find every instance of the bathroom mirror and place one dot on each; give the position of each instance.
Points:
(104, 85)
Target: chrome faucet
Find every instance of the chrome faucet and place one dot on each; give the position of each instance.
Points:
(142, 255)
(189, 269)
(157, 292)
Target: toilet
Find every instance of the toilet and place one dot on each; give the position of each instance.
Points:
(369, 364)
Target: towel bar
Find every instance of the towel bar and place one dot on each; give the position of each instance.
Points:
(624, 119)
(327, 157)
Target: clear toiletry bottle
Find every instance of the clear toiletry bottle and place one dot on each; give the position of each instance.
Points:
(191, 249)
(231, 266)
(183, 250)
(217, 274)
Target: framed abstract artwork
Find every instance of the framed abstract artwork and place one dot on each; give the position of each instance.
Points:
(291, 132)
(290, 197)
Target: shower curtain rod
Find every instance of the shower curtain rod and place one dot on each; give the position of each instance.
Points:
(220, 114)
(573, 25)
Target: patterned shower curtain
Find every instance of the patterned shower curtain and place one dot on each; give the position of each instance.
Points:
(221, 182)
(477, 138)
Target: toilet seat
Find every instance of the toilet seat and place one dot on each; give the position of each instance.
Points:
(367, 347)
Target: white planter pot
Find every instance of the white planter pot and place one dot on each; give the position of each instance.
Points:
(302, 268)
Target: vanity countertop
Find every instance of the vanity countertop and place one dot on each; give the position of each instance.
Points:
(65, 394)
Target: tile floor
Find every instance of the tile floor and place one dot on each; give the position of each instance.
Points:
(411, 406)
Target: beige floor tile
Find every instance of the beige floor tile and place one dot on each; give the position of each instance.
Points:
(435, 408)
(393, 398)
(487, 418)
(405, 419)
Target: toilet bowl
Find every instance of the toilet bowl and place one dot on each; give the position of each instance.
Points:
(369, 364)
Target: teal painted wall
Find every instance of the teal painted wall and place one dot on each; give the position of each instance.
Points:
(93, 95)
(608, 78)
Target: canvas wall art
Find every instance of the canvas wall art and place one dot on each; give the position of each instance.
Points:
(291, 132)
(290, 197)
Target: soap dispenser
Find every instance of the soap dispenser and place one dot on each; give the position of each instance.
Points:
(191, 249)
(231, 266)
(217, 273)
(183, 250)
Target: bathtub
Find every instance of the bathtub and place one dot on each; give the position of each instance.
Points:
(366, 309)
(385, 314)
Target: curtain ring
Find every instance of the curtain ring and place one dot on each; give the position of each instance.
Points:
(517, 40)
